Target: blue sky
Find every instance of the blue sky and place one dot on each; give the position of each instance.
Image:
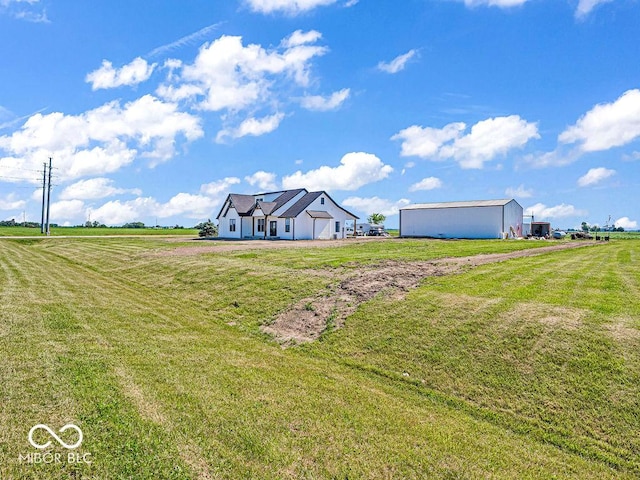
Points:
(155, 113)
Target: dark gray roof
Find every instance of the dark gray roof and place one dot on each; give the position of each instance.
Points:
(267, 207)
(298, 207)
(242, 203)
(319, 214)
(286, 196)
(245, 204)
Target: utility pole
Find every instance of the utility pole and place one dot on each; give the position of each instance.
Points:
(49, 197)
(44, 194)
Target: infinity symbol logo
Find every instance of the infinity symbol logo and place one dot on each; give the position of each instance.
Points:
(53, 434)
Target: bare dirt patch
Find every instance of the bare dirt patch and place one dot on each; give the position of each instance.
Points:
(551, 317)
(622, 329)
(309, 318)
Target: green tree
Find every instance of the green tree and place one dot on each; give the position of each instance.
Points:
(376, 218)
(134, 225)
(207, 229)
(585, 227)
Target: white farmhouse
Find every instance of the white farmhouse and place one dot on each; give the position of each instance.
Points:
(479, 219)
(289, 215)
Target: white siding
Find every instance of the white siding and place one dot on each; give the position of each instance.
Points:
(324, 228)
(303, 227)
(224, 224)
(461, 222)
(246, 227)
(513, 218)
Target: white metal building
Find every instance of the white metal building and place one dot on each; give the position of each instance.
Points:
(478, 219)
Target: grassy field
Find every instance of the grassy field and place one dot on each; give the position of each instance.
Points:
(527, 368)
(98, 232)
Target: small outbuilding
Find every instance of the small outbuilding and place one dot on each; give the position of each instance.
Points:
(537, 229)
(475, 219)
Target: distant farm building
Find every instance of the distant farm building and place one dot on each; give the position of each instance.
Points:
(477, 219)
(537, 229)
(287, 214)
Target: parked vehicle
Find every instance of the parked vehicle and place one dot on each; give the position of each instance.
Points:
(377, 231)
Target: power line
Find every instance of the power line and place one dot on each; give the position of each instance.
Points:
(19, 168)
(31, 179)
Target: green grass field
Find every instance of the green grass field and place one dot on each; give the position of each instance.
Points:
(527, 368)
(97, 232)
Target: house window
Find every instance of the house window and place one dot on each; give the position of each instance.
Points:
(232, 225)
(321, 200)
(261, 224)
(287, 225)
(337, 227)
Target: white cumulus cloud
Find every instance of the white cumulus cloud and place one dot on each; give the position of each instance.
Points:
(542, 212)
(397, 64)
(519, 192)
(133, 73)
(101, 140)
(93, 188)
(147, 209)
(10, 202)
(251, 126)
(289, 7)
(27, 10)
(586, 6)
(263, 180)
(370, 205)
(595, 175)
(355, 170)
(239, 80)
(219, 188)
(300, 37)
(607, 125)
(486, 140)
(65, 210)
(228, 75)
(323, 104)
(429, 183)
(626, 223)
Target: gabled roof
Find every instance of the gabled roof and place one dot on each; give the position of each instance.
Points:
(318, 214)
(267, 207)
(297, 208)
(286, 196)
(476, 203)
(246, 204)
(242, 203)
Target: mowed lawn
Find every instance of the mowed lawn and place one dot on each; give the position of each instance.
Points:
(18, 231)
(528, 368)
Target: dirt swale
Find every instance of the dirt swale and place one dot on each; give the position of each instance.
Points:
(306, 320)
